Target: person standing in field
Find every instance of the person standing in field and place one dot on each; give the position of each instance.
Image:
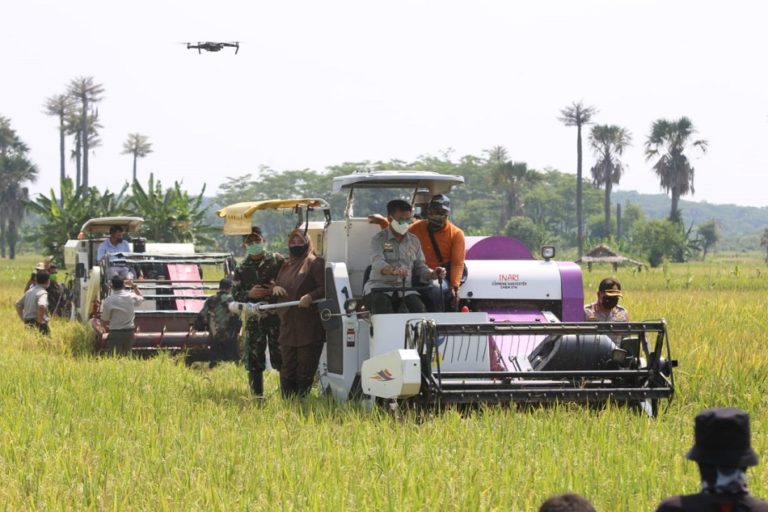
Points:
(216, 318)
(301, 278)
(723, 451)
(254, 279)
(607, 308)
(118, 314)
(32, 307)
(567, 503)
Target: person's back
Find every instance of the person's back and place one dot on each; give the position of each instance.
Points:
(707, 502)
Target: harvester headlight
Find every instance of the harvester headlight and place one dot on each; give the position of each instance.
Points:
(548, 252)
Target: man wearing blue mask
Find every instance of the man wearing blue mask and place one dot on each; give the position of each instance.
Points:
(254, 279)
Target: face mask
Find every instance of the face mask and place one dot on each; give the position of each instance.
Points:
(437, 220)
(298, 250)
(609, 302)
(53, 277)
(400, 228)
(254, 249)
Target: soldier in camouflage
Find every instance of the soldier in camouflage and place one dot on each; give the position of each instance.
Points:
(254, 279)
(222, 325)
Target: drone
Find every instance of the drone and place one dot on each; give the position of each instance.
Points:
(211, 46)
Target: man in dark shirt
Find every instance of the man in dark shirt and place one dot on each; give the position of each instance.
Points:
(723, 451)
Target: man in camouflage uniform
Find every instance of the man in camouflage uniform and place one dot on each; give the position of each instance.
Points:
(222, 324)
(254, 279)
(607, 308)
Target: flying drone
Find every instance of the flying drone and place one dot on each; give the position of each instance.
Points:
(211, 46)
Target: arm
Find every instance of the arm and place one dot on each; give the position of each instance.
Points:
(458, 252)
(101, 251)
(20, 307)
(42, 307)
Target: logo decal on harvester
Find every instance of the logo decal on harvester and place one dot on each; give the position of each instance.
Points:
(383, 376)
(509, 282)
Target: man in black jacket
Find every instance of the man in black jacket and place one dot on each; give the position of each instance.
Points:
(723, 451)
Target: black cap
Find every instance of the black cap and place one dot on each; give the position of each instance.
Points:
(440, 201)
(722, 438)
(225, 284)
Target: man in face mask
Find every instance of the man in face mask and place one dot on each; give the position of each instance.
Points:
(254, 279)
(607, 308)
(443, 245)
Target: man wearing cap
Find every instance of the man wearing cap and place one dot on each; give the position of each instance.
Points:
(221, 324)
(607, 308)
(443, 245)
(722, 449)
(118, 314)
(32, 307)
(254, 279)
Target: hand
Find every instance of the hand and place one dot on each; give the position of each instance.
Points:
(400, 272)
(454, 297)
(378, 219)
(279, 291)
(305, 301)
(258, 291)
(438, 273)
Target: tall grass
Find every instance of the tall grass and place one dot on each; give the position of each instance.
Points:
(87, 433)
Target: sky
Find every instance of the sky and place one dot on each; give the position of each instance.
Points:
(318, 83)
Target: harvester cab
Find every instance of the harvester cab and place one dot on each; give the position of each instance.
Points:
(517, 336)
(173, 278)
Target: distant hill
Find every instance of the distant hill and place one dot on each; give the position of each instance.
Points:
(741, 226)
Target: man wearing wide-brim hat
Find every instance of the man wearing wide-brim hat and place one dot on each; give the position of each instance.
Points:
(607, 308)
(723, 451)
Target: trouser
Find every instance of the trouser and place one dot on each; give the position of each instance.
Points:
(299, 367)
(43, 328)
(119, 342)
(440, 297)
(260, 334)
(382, 303)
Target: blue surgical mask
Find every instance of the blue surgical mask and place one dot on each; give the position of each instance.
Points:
(254, 249)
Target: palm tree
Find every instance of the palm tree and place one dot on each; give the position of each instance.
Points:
(73, 125)
(669, 140)
(578, 115)
(137, 145)
(511, 177)
(608, 144)
(15, 170)
(60, 106)
(88, 93)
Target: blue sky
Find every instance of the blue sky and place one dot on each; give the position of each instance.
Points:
(319, 83)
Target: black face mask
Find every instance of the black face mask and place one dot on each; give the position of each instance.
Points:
(298, 250)
(609, 302)
(436, 221)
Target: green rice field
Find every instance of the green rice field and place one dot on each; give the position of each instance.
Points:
(79, 432)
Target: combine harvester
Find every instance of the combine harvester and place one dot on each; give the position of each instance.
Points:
(517, 336)
(172, 277)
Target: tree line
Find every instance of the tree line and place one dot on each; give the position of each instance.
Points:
(501, 195)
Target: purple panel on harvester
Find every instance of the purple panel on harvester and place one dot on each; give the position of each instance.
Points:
(496, 248)
(572, 289)
(503, 346)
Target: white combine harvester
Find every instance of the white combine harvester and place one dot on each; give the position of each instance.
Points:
(173, 278)
(517, 335)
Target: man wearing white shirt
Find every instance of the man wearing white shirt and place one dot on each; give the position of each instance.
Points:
(113, 244)
(118, 315)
